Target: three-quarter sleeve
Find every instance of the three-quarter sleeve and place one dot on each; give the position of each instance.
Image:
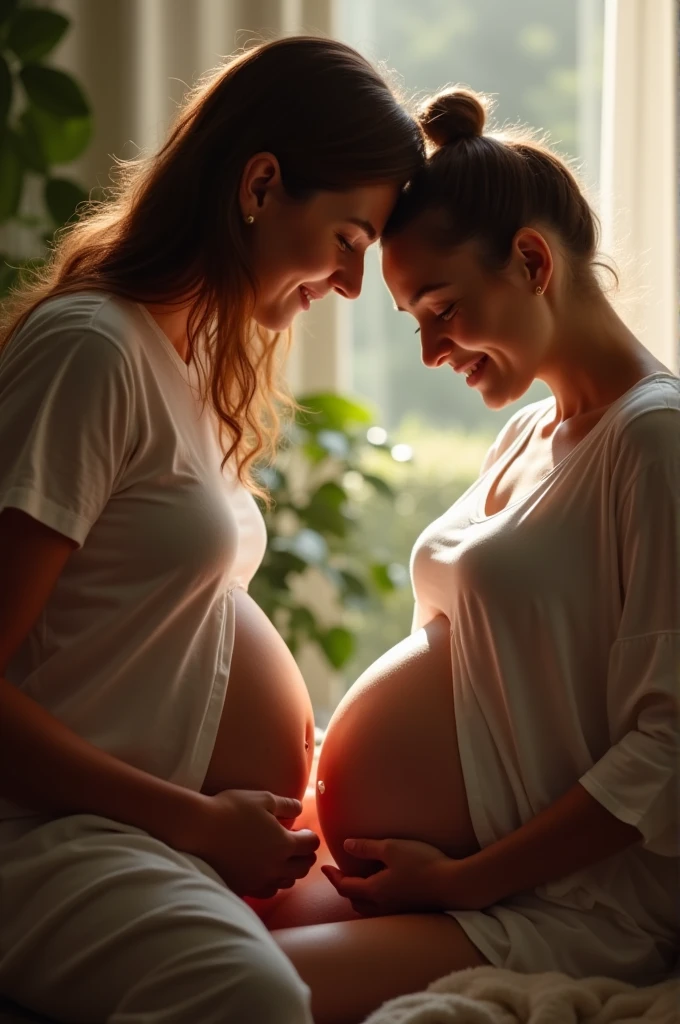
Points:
(637, 779)
(65, 427)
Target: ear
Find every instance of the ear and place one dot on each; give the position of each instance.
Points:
(533, 256)
(261, 176)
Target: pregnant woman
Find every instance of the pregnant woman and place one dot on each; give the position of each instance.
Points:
(155, 734)
(514, 762)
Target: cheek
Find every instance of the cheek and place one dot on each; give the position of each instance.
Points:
(286, 255)
(496, 321)
(306, 251)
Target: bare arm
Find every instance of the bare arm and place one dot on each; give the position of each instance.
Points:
(573, 833)
(44, 764)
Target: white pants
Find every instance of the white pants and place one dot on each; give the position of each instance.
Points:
(99, 922)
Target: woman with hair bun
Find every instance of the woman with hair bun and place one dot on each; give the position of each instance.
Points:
(156, 735)
(509, 772)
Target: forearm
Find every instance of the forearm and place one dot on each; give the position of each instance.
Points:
(46, 766)
(573, 833)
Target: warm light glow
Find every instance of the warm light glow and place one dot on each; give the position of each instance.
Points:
(376, 435)
(402, 453)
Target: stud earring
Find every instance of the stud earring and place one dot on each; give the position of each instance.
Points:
(250, 219)
(539, 290)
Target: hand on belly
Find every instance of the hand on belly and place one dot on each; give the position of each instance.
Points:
(389, 765)
(265, 738)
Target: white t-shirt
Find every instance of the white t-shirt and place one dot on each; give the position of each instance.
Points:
(565, 638)
(103, 438)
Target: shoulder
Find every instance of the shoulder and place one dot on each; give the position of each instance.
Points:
(63, 348)
(87, 329)
(645, 428)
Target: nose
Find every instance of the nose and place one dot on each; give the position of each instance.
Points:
(435, 349)
(347, 280)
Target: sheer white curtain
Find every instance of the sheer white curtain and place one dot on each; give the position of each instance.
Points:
(639, 185)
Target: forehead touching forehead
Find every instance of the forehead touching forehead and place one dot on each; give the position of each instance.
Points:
(413, 264)
(367, 207)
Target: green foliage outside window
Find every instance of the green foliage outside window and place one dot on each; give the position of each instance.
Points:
(316, 525)
(45, 122)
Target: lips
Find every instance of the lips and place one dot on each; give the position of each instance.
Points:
(468, 366)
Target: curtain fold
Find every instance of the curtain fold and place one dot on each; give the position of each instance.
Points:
(639, 200)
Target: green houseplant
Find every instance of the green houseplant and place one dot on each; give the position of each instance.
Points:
(45, 123)
(315, 524)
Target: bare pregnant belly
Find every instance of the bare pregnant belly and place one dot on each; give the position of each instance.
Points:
(389, 764)
(265, 738)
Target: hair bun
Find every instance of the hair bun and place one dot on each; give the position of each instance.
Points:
(452, 115)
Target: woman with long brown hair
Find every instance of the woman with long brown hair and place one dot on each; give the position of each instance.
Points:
(156, 735)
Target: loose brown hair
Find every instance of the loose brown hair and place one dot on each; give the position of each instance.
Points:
(488, 186)
(172, 227)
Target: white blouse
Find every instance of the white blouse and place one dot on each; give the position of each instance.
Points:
(565, 638)
(103, 437)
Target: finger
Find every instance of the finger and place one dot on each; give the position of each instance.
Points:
(284, 806)
(370, 849)
(298, 867)
(303, 842)
(365, 908)
(349, 887)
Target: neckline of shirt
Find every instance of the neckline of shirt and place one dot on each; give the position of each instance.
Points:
(591, 436)
(169, 348)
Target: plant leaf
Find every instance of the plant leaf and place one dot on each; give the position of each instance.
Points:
(54, 91)
(338, 645)
(62, 197)
(381, 577)
(331, 494)
(35, 31)
(332, 412)
(352, 584)
(302, 620)
(11, 176)
(61, 139)
(380, 485)
(28, 145)
(7, 9)
(5, 91)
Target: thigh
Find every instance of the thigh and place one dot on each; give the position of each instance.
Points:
(352, 967)
(102, 922)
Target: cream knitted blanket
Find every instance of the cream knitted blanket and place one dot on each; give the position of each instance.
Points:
(491, 995)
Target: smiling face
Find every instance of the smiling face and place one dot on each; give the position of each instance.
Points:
(302, 249)
(489, 324)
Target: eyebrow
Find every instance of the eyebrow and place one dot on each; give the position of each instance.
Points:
(365, 225)
(422, 292)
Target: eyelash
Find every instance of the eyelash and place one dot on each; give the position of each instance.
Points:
(444, 315)
(344, 244)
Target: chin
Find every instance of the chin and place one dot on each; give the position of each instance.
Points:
(498, 399)
(274, 319)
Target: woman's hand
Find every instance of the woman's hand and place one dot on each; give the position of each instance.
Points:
(415, 877)
(240, 833)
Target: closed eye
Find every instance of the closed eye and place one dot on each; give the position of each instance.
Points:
(446, 314)
(344, 244)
